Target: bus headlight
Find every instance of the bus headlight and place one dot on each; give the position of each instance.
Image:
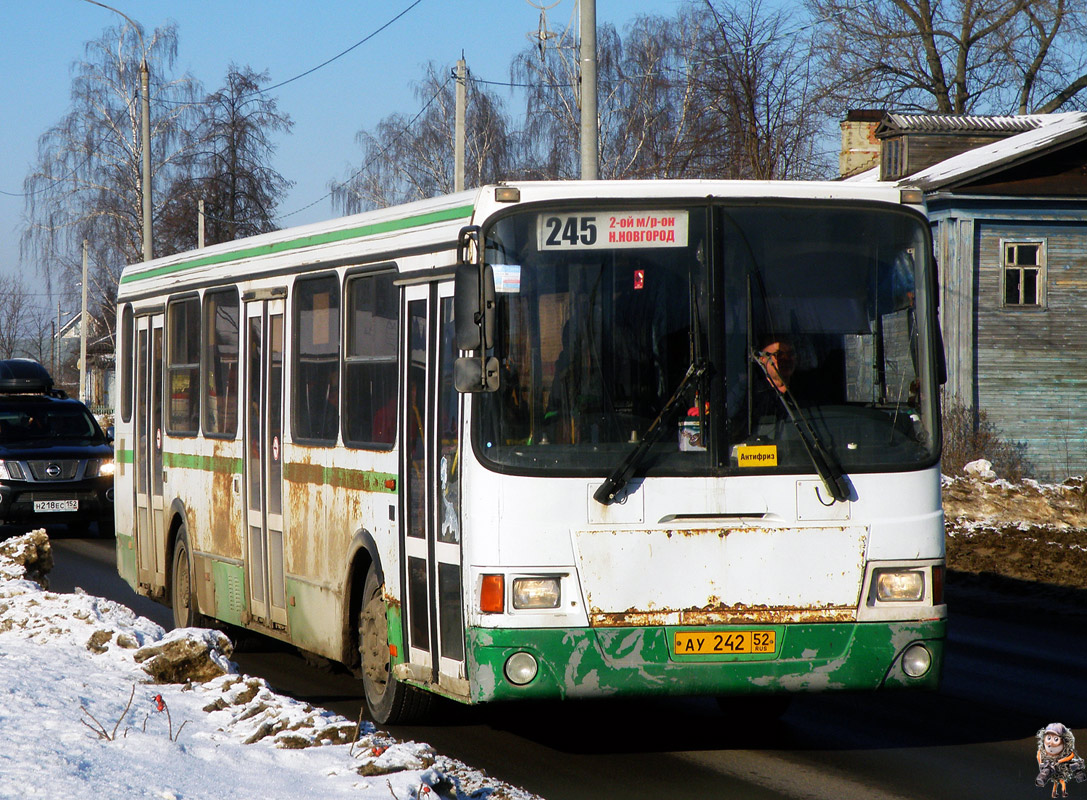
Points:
(521, 668)
(916, 661)
(899, 585)
(536, 592)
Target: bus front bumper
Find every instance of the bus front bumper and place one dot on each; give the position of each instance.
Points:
(613, 662)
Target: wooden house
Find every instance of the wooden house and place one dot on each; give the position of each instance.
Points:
(1007, 198)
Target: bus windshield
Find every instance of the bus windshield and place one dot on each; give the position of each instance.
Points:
(783, 326)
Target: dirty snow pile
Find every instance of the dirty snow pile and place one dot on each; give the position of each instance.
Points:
(98, 702)
(1031, 532)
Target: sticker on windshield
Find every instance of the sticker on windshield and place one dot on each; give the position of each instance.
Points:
(606, 230)
(507, 278)
(759, 455)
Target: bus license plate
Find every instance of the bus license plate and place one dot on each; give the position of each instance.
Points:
(46, 506)
(719, 643)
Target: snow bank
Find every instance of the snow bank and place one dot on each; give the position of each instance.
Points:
(96, 701)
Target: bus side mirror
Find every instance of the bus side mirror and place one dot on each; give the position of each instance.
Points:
(473, 374)
(473, 307)
(473, 317)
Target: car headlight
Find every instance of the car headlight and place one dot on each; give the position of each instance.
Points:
(4, 474)
(105, 469)
(536, 592)
(899, 585)
(11, 471)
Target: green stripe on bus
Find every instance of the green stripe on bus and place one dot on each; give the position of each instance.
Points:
(461, 212)
(227, 464)
(296, 472)
(340, 478)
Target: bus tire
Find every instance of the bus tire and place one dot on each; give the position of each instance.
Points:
(181, 590)
(388, 700)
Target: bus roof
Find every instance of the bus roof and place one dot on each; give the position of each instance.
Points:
(431, 226)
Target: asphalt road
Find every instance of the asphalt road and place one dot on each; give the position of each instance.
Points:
(1010, 669)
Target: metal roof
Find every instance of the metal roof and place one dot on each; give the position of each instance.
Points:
(959, 123)
(1056, 131)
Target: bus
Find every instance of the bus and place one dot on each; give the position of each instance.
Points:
(551, 440)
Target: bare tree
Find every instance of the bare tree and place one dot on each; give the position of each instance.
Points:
(956, 56)
(13, 315)
(410, 158)
(646, 102)
(228, 167)
(720, 90)
(87, 182)
(25, 326)
(760, 97)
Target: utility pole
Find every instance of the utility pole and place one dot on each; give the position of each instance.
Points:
(145, 130)
(145, 124)
(458, 130)
(200, 223)
(590, 153)
(83, 333)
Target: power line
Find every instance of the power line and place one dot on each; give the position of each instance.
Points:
(345, 52)
(384, 150)
(299, 76)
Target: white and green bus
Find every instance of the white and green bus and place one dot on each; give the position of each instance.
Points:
(551, 440)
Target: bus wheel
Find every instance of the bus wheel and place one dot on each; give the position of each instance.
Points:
(181, 594)
(388, 700)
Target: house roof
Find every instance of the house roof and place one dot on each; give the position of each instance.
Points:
(1048, 132)
(893, 124)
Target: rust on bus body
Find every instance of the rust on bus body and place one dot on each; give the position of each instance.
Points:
(224, 525)
(720, 614)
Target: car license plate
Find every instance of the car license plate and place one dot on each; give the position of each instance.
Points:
(720, 643)
(47, 506)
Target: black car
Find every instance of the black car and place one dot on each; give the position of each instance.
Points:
(56, 464)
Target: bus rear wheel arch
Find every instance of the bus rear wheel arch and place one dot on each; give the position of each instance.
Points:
(182, 595)
(388, 700)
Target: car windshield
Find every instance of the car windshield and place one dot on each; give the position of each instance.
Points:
(807, 325)
(46, 421)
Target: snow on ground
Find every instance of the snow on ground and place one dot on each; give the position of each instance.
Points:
(82, 716)
(1031, 532)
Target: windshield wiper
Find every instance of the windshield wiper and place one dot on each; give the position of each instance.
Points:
(614, 484)
(832, 475)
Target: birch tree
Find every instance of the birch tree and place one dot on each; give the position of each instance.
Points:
(87, 181)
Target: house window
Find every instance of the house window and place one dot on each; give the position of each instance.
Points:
(893, 160)
(1024, 274)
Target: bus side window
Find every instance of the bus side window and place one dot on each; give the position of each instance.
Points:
(221, 363)
(370, 361)
(183, 366)
(316, 367)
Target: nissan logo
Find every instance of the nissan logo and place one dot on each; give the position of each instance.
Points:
(53, 470)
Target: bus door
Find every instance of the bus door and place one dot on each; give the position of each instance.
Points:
(263, 468)
(150, 536)
(430, 502)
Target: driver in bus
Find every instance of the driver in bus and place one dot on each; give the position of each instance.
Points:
(771, 376)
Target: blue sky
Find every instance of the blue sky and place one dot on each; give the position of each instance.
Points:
(40, 40)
